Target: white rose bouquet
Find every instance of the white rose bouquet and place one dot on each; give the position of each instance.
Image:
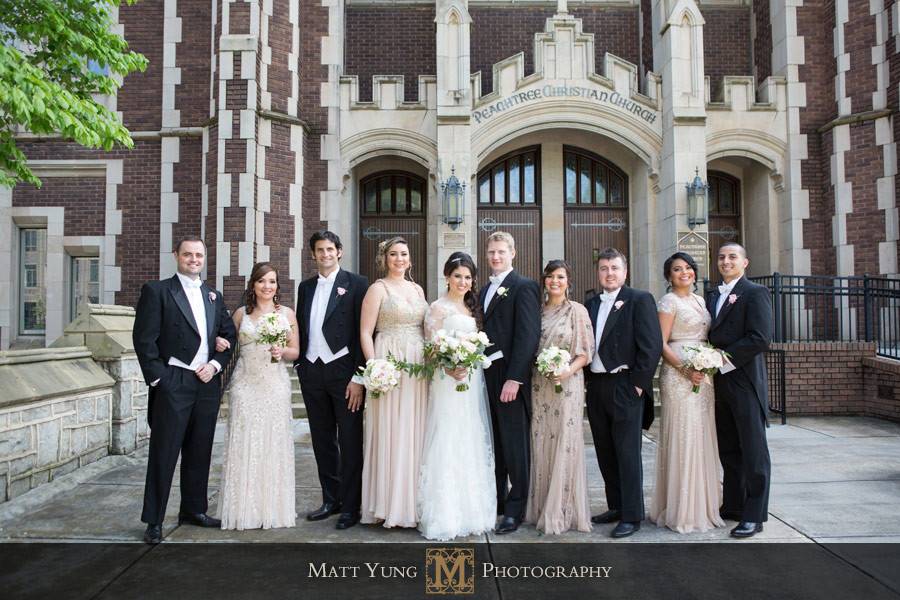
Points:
(380, 375)
(703, 358)
(553, 362)
(452, 350)
(272, 331)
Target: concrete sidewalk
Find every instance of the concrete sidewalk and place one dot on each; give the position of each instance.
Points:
(834, 480)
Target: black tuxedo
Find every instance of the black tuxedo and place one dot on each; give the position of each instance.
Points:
(337, 433)
(742, 329)
(512, 322)
(631, 337)
(181, 409)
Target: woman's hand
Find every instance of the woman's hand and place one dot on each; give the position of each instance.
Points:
(276, 351)
(222, 344)
(563, 376)
(459, 373)
(697, 377)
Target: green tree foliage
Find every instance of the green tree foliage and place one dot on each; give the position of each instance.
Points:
(55, 56)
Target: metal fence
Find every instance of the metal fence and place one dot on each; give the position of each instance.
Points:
(819, 308)
(777, 383)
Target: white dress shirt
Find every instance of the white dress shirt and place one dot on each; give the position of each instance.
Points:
(318, 348)
(724, 291)
(195, 299)
(496, 283)
(608, 300)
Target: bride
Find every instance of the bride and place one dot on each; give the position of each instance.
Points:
(457, 494)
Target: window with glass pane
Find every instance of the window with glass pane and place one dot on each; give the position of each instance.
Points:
(510, 180)
(515, 188)
(392, 193)
(589, 180)
(528, 183)
(484, 189)
(85, 284)
(571, 181)
(32, 287)
(499, 185)
(724, 194)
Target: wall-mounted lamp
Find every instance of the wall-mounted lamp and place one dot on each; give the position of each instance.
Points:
(697, 192)
(454, 196)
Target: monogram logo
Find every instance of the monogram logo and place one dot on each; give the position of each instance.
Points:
(449, 571)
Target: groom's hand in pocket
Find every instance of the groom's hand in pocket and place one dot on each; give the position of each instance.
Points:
(354, 396)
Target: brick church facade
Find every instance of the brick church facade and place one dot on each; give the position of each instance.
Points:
(573, 125)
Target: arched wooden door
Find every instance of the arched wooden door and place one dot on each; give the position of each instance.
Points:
(596, 209)
(392, 203)
(724, 214)
(509, 199)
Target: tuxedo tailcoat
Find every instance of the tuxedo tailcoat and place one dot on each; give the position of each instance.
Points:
(742, 329)
(336, 432)
(512, 323)
(631, 337)
(181, 409)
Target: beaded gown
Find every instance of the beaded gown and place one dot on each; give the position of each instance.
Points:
(395, 421)
(258, 474)
(558, 498)
(688, 489)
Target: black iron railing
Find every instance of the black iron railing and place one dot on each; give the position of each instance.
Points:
(777, 383)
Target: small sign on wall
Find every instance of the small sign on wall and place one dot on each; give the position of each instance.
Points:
(697, 245)
(453, 239)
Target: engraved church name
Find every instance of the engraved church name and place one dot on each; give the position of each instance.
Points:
(556, 91)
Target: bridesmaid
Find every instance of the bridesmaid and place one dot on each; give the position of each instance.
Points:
(393, 312)
(558, 498)
(688, 490)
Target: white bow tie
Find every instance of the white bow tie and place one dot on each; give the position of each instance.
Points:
(323, 280)
(496, 279)
(192, 283)
(724, 288)
(607, 296)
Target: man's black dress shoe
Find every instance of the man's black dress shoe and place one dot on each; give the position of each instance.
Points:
(323, 512)
(746, 529)
(609, 516)
(347, 520)
(729, 515)
(507, 525)
(199, 519)
(625, 528)
(153, 535)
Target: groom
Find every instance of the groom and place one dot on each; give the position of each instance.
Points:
(175, 328)
(742, 320)
(512, 323)
(328, 312)
(620, 388)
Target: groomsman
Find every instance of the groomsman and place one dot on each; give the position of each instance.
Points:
(512, 323)
(742, 320)
(175, 328)
(620, 388)
(328, 309)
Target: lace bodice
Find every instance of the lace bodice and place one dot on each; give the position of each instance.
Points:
(398, 314)
(444, 314)
(691, 317)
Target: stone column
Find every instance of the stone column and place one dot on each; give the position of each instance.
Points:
(454, 108)
(678, 58)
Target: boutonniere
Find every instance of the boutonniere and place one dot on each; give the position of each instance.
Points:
(212, 297)
(502, 291)
(341, 291)
(733, 298)
(618, 304)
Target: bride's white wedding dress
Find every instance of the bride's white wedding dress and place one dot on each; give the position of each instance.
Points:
(457, 492)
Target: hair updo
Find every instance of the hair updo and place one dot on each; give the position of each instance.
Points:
(461, 259)
(381, 257)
